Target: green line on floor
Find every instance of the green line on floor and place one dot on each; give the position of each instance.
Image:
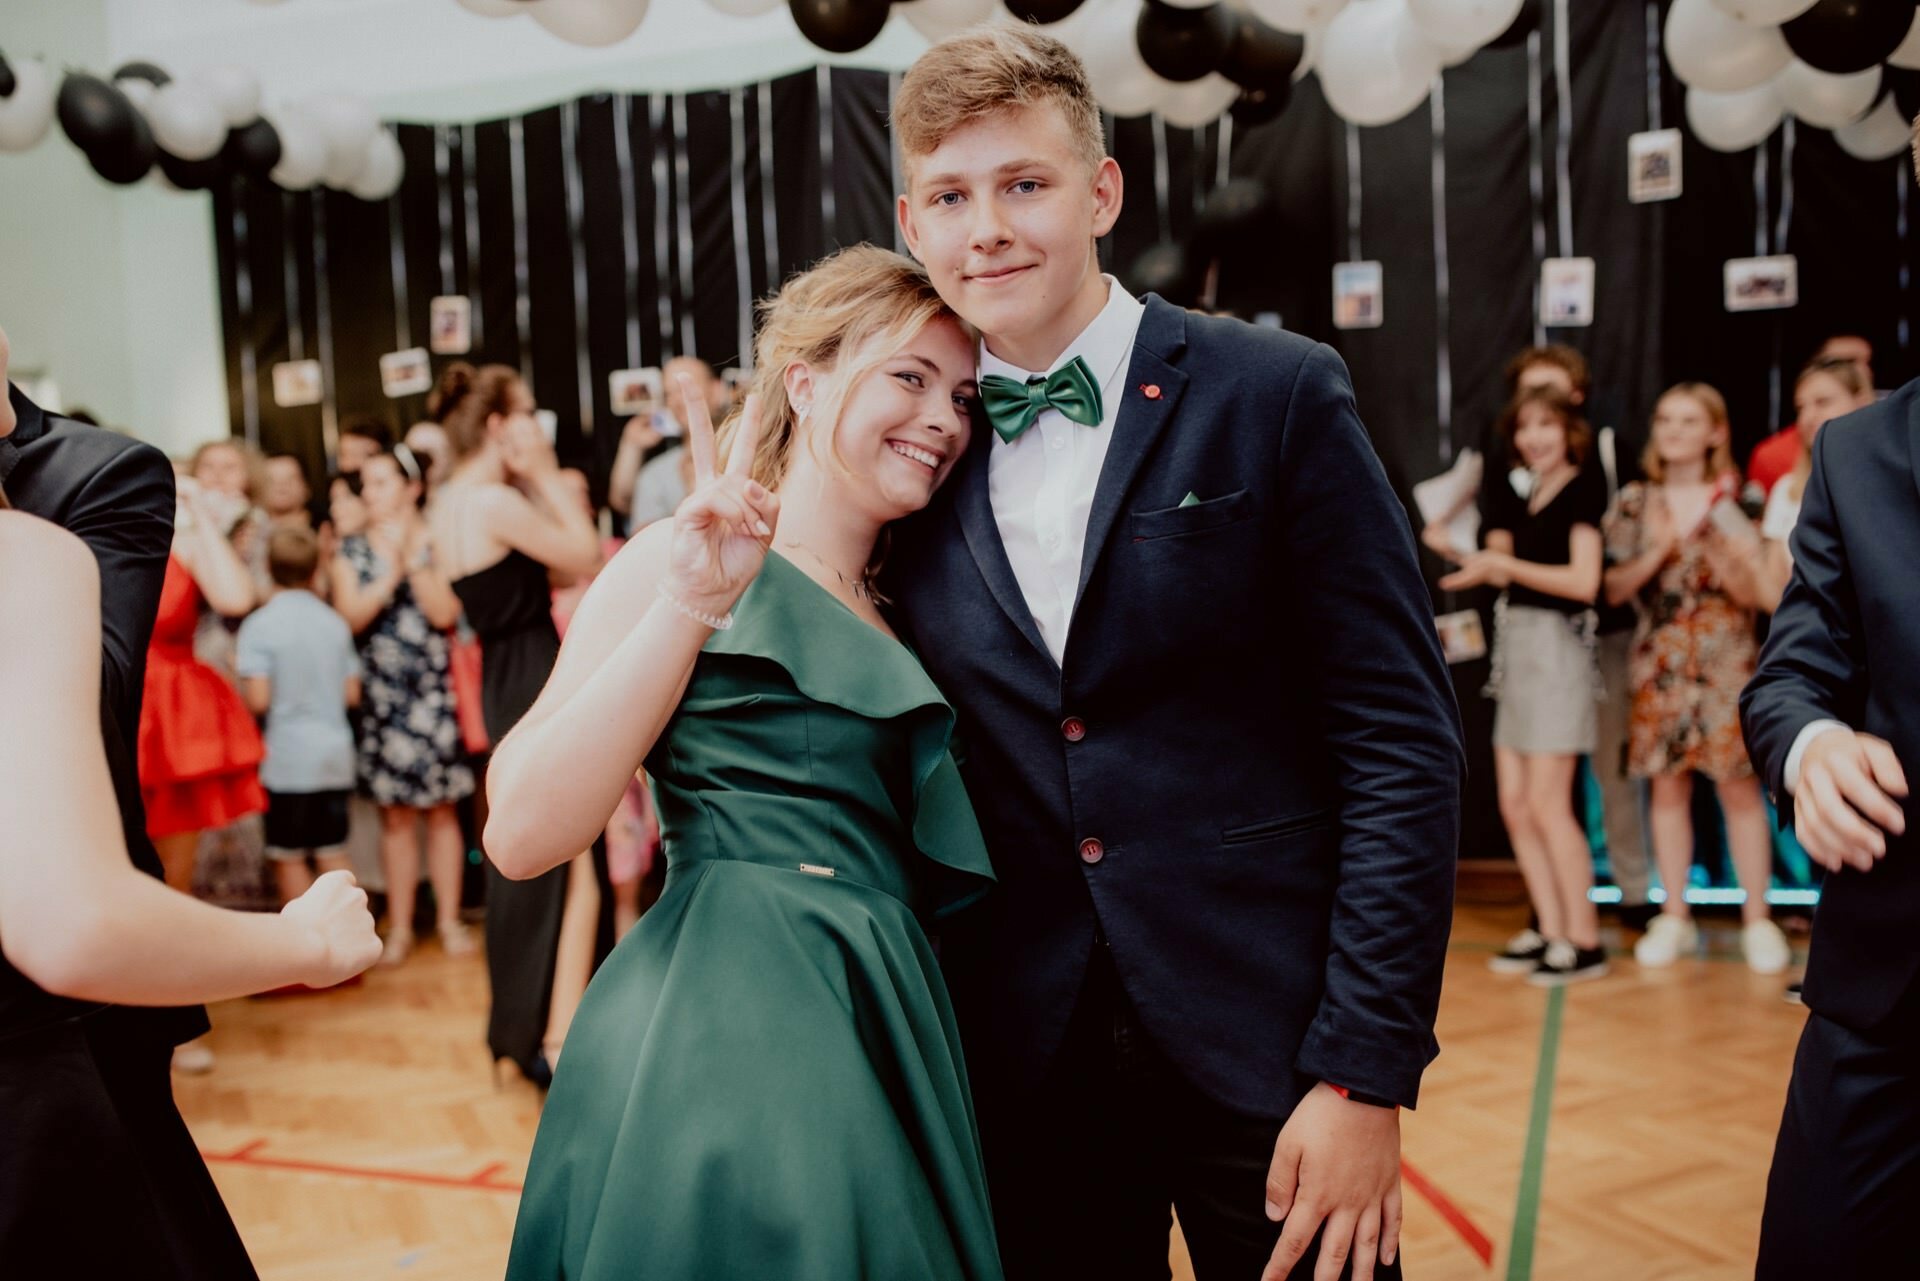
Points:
(1526, 1212)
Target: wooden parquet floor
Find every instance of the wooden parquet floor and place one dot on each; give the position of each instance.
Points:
(360, 1133)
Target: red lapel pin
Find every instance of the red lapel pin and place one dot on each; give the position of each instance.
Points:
(1150, 390)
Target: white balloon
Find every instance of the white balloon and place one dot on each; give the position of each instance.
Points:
(493, 8)
(1712, 50)
(1468, 24)
(745, 8)
(590, 22)
(1765, 13)
(235, 90)
(186, 121)
(1189, 4)
(139, 92)
(1298, 16)
(938, 19)
(1880, 135)
(1908, 54)
(1121, 80)
(303, 152)
(1824, 99)
(1197, 102)
(1735, 121)
(28, 114)
(1310, 56)
(1376, 64)
(346, 123)
(382, 170)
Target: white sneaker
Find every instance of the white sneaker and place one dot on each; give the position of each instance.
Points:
(1666, 940)
(1765, 947)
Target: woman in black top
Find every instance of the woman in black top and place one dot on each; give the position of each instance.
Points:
(503, 521)
(1542, 538)
(98, 1174)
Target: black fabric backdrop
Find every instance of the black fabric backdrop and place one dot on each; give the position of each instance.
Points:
(664, 278)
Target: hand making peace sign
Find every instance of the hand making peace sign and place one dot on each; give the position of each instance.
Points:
(722, 531)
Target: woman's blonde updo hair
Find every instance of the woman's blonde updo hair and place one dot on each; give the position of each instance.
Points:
(464, 398)
(862, 302)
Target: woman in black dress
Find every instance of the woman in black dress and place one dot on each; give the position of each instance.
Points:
(504, 522)
(98, 1174)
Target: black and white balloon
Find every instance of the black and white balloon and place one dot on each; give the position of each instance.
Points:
(187, 121)
(193, 175)
(27, 113)
(1042, 11)
(94, 115)
(7, 81)
(303, 152)
(252, 149)
(839, 26)
(1846, 36)
(1261, 57)
(131, 158)
(1183, 45)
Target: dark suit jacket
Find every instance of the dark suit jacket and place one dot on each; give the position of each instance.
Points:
(1845, 645)
(116, 495)
(1264, 740)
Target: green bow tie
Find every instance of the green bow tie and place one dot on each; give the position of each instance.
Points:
(1012, 406)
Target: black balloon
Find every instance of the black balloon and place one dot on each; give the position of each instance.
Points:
(1845, 36)
(130, 160)
(8, 83)
(252, 149)
(839, 26)
(1169, 270)
(1260, 106)
(1042, 11)
(1259, 56)
(95, 115)
(143, 71)
(1524, 24)
(194, 175)
(1184, 44)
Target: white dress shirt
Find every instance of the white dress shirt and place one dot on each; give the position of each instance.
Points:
(1041, 485)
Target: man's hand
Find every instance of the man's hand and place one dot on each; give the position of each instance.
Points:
(1846, 801)
(1336, 1162)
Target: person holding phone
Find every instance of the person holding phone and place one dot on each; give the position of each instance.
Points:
(1681, 548)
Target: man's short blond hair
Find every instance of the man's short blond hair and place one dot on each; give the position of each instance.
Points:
(988, 70)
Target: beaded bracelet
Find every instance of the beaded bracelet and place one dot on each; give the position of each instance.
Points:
(719, 624)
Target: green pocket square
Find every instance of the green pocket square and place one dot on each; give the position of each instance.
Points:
(1191, 500)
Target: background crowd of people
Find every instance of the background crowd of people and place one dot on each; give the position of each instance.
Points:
(332, 661)
(1628, 620)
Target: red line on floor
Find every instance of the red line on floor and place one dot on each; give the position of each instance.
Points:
(1456, 1218)
(484, 1180)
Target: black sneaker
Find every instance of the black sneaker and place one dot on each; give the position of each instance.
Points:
(1792, 995)
(1521, 955)
(1564, 963)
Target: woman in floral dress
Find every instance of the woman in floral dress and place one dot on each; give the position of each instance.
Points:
(1682, 550)
(412, 759)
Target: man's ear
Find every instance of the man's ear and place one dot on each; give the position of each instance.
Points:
(903, 212)
(1109, 190)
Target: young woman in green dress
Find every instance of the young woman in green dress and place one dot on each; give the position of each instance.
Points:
(765, 1078)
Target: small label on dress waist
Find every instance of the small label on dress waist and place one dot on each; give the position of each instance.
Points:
(816, 870)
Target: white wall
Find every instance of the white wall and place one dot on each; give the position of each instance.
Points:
(110, 291)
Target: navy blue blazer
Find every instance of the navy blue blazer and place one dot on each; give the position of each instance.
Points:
(1845, 645)
(1245, 776)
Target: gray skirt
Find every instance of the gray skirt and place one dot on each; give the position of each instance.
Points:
(1546, 681)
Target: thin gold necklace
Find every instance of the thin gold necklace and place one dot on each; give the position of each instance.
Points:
(861, 589)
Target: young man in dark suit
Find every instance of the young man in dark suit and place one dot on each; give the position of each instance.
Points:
(1832, 718)
(1208, 728)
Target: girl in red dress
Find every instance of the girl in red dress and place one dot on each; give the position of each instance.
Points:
(200, 751)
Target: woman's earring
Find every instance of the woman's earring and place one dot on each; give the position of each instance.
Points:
(801, 411)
